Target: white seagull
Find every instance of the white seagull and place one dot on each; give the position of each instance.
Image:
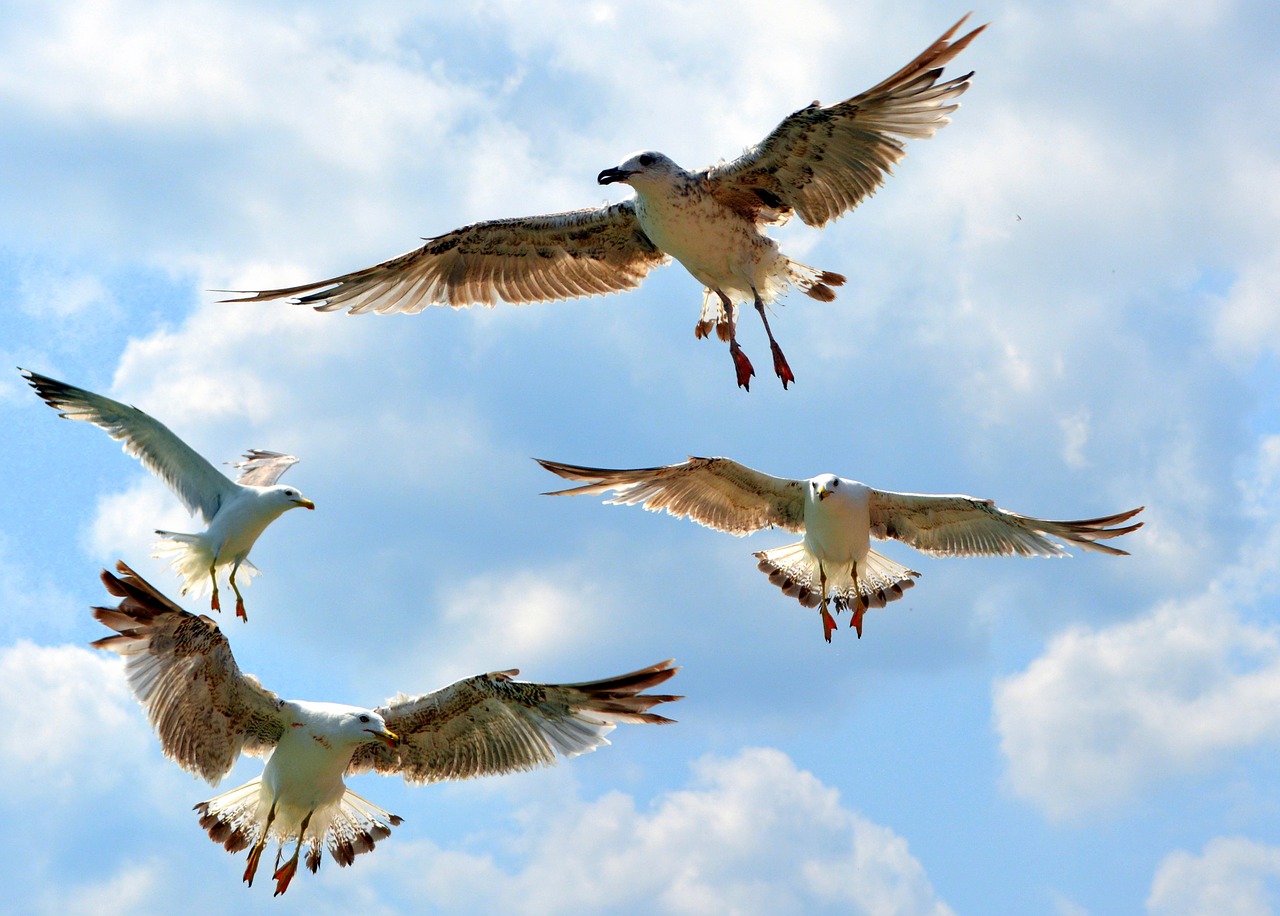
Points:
(819, 163)
(838, 518)
(235, 512)
(207, 713)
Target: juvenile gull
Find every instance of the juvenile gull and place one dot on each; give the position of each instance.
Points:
(838, 518)
(235, 512)
(819, 163)
(207, 713)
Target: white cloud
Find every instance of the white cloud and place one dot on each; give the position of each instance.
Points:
(1233, 875)
(752, 834)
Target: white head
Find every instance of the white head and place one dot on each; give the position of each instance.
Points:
(823, 487)
(641, 169)
(348, 725)
(287, 497)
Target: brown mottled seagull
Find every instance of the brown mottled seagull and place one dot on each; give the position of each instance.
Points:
(207, 713)
(838, 518)
(236, 512)
(819, 163)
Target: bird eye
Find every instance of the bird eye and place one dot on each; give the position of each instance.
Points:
(835, 483)
(289, 493)
(364, 718)
(646, 160)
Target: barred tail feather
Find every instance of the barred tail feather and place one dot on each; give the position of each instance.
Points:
(814, 283)
(795, 570)
(357, 826)
(232, 817)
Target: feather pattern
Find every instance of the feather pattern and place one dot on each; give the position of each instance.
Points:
(492, 724)
(528, 259)
(716, 492)
(205, 711)
(261, 468)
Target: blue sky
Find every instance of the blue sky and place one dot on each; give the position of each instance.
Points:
(1065, 301)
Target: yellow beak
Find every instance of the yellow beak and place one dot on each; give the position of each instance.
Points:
(306, 504)
(387, 737)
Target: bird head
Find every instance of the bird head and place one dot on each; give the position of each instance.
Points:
(292, 499)
(362, 723)
(639, 168)
(824, 486)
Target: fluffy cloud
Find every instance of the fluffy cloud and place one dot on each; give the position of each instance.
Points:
(1233, 875)
(752, 834)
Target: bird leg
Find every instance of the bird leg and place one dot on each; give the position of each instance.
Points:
(255, 853)
(213, 576)
(741, 365)
(828, 622)
(284, 874)
(239, 598)
(780, 365)
(859, 606)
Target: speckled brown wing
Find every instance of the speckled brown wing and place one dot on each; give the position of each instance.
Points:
(822, 162)
(492, 724)
(717, 492)
(530, 259)
(962, 526)
(205, 711)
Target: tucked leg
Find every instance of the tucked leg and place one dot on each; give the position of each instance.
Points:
(780, 365)
(284, 874)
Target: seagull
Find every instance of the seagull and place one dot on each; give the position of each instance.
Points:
(235, 513)
(207, 713)
(819, 163)
(838, 518)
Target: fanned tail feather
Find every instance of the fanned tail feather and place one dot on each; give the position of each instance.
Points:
(814, 283)
(190, 558)
(795, 570)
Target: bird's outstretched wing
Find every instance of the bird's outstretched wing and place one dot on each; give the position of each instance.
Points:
(822, 161)
(261, 468)
(492, 724)
(200, 486)
(960, 526)
(530, 259)
(715, 492)
(180, 668)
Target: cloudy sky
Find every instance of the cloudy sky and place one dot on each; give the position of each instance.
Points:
(1065, 301)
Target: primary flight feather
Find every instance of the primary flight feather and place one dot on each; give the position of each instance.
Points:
(235, 512)
(819, 163)
(207, 713)
(838, 518)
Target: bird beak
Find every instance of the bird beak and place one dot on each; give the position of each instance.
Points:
(306, 504)
(389, 738)
(823, 493)
(609, 176)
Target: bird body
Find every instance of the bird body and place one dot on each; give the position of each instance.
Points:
(834, 561)
(235, 512)
(818, 163)
(207, 713)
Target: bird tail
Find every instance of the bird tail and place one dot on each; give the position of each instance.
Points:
(190, 557)
(354, 825)
(795, 570)
(814, 283)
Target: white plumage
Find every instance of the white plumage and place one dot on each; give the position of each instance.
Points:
(235, 512)
(207, 713)
(838, 517)
(819, 163)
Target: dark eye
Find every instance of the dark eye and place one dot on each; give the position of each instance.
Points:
(289, 493)
(646, 160)
(834, 484)
(364, 718)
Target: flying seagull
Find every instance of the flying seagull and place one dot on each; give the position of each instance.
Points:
(819, 163)
(838, 518)
(235, 513)
(207, 713)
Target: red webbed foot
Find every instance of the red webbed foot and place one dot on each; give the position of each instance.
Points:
(742, 366)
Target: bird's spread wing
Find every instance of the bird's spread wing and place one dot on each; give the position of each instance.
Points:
(821, 162)
(715, 492)
(261, 468)
(963, 526)
(531, 259)
(180, 668)
(200, 486)
(492, 724)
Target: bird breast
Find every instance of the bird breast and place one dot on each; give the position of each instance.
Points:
(720, 248)
(838, 528)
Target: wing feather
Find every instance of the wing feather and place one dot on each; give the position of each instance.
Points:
(493, 724)
(822, 162)
(261, 468)
(529, 259)
(716, 492)
(202, 488)
(958, 526)
(204, 709)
